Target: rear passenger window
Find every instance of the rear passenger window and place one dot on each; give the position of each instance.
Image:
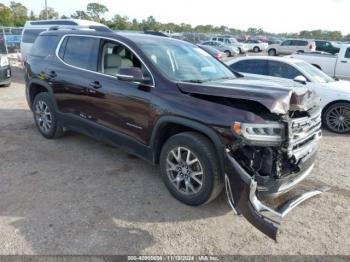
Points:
(30, 35)
(250, 67)
(44, 45)
(278, 69)
(347, 53)
(80, 52)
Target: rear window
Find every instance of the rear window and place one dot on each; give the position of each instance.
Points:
(44, 45)
(347, 53)
(80, 51)
(30, 35)
(250, 67)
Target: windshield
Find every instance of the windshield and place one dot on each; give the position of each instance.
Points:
(185, 62)
(314, 73)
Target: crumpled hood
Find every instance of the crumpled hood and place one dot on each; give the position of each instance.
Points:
(277, 96)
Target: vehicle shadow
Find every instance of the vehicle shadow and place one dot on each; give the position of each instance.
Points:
(77, 196)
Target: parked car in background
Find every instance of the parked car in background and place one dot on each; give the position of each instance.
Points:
(327, 46)
(256, 45)
(229, 50)
(291, 46)
(273, 40)
(214, 52)
(337, 66)
(171, 103)
(229, 40)
(32, 29)
(5, 69)
(335, 95)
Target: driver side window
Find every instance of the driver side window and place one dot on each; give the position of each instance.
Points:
(115, 56)
(287, 43)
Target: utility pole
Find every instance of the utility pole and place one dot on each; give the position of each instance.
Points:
(47, 14)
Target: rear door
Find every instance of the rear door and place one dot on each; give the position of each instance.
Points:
(343, 65)
(73, 73)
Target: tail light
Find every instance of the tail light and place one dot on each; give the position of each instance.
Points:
(312, 47)
(219, 57)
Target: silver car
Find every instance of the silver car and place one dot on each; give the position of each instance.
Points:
(229, 50)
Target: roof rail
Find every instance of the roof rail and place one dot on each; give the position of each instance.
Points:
(92, 27)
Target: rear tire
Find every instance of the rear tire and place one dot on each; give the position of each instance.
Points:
(45, 116)
(228, 53)
(337, 118)
(190, 168)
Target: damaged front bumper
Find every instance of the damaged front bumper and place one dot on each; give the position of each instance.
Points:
(243, 196)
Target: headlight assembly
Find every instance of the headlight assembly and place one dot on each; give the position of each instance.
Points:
(268, 134)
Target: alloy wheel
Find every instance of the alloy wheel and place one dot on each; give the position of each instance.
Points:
(43, 116)
(184, 171)
(338, 119)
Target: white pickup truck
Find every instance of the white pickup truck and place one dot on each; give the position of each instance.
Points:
(337, 66)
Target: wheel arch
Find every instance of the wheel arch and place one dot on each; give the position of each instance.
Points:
(333, 103)
(36, 87)
(317, 66)
(168, 126)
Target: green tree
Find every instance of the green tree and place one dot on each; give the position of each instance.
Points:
(80, 14)
(19, 13)
(134, 25)
(6, 18)
(150, 24)
(50, 13)
(96, 10)
(120, 22)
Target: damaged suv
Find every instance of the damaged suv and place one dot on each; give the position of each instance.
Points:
(171, 103)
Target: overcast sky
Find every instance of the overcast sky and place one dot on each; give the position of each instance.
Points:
(271, 15)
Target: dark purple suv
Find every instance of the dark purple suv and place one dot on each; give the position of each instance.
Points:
(171, 103)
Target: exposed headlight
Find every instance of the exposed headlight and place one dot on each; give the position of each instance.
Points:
(4, 61)
(268, 134)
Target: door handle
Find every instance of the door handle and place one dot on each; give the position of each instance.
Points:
(52, 74)
(95, 85)
(344, 61)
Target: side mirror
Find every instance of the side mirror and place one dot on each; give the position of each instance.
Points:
(300, 79)
(133, 74)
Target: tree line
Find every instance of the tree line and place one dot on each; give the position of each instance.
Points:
(16, 14)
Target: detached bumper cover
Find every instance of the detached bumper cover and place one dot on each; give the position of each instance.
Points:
(241, 190)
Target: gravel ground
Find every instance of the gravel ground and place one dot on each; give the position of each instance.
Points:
(77, 196)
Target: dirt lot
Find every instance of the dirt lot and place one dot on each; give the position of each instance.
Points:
(77, 196)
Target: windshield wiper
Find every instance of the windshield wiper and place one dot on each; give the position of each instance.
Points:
(197, 81)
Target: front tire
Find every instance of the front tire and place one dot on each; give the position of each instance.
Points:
(45, 116)
(337, 118)
(190, 168)
(256, 49)
(272, 52)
